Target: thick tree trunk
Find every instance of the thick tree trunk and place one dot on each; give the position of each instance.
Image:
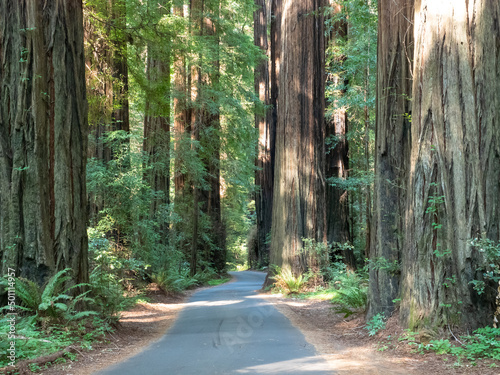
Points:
(299, 191)
(392, 137)
(43, 139)
(156, 143)
(263, 123)
(454, 190)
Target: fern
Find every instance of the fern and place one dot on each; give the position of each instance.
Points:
(29, 293)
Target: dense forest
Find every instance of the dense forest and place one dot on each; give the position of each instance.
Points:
(171, 141)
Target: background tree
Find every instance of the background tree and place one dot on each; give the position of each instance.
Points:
(156, 144)
(43, 125)
(453, 191)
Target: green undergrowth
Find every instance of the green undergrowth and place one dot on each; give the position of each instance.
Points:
(34, 340)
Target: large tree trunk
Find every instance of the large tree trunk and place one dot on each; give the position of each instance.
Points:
(43, 139)
(156, 143)
(454, 189)
(299, 191)
(392, 137)
(263, 123)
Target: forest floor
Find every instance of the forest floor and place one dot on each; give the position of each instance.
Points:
(341, 341)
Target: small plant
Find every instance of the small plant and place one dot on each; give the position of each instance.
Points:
(351, 293)
(288, 283)
(375, 324)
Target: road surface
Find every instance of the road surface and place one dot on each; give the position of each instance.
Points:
(227, 329)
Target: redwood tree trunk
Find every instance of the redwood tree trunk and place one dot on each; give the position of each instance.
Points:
(120, 116)
(392, 137)
(263, 123)
(299, 191)
(454, 190)
(156, 143)
(43, 139)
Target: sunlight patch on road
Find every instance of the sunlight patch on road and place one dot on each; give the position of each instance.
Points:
(305, 365)
(214, 303)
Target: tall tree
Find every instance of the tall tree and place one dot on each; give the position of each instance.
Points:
(453, 190)
(299, 191)
(394, 84)
(156, 144)
(337, 153)
(180, 109)
(265, 154)
(215, 249)
(118, 25)
(43, 139)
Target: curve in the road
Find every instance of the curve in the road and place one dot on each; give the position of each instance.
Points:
(227, 329)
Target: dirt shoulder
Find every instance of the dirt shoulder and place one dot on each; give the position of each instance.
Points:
(346, 345)
(138, 328)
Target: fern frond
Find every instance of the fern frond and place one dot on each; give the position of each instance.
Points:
(54, 283)
(29, 293)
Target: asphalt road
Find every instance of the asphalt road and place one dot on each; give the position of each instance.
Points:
(227, 329)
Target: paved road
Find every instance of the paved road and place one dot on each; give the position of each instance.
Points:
(228, 329)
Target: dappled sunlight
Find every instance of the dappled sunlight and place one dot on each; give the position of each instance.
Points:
(305, 365)
(214, 303)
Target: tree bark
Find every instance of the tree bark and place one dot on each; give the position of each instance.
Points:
(43, 139)
(180, 111)
(454, 190)
(263, 123)
(299, 191)
(392, 137)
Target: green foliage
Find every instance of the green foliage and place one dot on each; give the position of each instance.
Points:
(483, 343)
(381, 263)
(352, 293)
(375, 324)
(174, 282)
(54, 302)
(33, 341)
(286, 282)
(491, 252)
(107, 277)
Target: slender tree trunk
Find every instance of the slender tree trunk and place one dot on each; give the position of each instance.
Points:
(180, 111)
(454, 191)
(211, 143)
(337, 164)
(120, 115)
(392, 137)
(299, 192)
(263, 121)
(43, 139)
(99, 83)
(156, 144)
